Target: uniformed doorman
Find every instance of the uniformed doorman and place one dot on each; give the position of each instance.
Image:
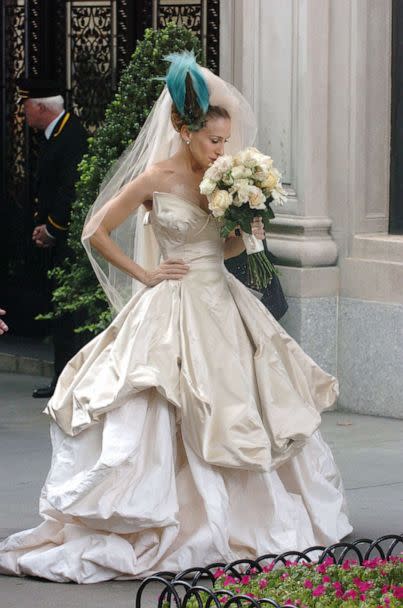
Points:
(62, 148)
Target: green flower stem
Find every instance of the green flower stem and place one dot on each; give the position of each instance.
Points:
(260, 270)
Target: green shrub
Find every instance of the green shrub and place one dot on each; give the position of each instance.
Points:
(77, 287)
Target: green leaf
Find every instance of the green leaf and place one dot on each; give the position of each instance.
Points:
(227, 228)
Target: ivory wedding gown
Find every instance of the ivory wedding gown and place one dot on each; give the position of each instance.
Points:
(185, 433)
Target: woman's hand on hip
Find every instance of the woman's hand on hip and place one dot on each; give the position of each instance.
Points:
(168, 270)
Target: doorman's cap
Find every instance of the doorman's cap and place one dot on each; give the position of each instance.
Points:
(37, 88)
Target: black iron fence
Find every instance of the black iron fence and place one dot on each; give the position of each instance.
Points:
(198, 585)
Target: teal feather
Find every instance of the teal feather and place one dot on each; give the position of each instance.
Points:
(183, 64)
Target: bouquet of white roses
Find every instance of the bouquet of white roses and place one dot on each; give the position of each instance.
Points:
(240, 188)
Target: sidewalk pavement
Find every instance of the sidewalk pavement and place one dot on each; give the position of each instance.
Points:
(26, 355)
(368, 450)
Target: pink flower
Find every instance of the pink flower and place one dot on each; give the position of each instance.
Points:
(308, 584)
(326, 579)
(319, 590)
(373, 563)
(398, 592)
(245, 580)
(263, 583)
(362, 585)
(219, 572)
(268, 568)
(363, 597)
(321, 568)
(337, 585)
(346, 565)
(339, 593)
(284, 576)
(229, 580)
(385, 589)
(350, 594)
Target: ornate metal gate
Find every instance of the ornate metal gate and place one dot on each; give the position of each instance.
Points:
(84, 44)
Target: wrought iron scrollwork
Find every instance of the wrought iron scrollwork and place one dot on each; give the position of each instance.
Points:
(213, 35)
(14, 64)
(15, 134)
(187, 15)
(177, 590)
(200, 16)
(92, 62)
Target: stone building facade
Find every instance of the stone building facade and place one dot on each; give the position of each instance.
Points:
(318, 74)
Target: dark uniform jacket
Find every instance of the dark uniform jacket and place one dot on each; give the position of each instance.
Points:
(57, 175)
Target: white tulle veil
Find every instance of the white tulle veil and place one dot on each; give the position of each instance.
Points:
(157, 140)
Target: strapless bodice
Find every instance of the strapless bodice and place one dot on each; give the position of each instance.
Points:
(185, 231)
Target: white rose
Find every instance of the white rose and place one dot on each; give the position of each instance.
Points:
(219, 202)
(236, 201)
(207, 186)
(227, 179)
(279, 194)
(221, 166)
(272, 179)
(256, 198)
(260, 175)
(214, 173)
(241, 172)
(265, 162)
(249, 157)
(224, 162)
(241, 189)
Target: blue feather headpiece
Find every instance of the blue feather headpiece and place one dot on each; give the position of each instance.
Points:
(182, 65)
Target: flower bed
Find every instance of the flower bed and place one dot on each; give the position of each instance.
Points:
(377, 583)
(319, 577)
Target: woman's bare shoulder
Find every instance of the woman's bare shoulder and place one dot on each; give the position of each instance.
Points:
(164, 168)
(160, 174)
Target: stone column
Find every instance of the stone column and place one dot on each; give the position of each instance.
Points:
(277, 54)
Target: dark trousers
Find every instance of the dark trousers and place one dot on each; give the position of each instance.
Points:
(272, 296)
(66, 341)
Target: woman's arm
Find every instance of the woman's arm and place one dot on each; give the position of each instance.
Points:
(118, 210)
(233, 247)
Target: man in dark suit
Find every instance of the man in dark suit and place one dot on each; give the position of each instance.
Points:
(63, 144)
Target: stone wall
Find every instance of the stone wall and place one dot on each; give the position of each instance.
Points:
(317, 73)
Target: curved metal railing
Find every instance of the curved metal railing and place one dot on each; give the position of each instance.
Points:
(177, 590)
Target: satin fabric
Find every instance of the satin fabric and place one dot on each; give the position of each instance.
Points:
(185, 433)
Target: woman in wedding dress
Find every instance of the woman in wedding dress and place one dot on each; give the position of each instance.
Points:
(187, 431)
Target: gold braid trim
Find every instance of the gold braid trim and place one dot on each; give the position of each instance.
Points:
(51, 221)
(60, 129)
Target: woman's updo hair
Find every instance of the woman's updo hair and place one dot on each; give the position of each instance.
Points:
(179, 121)
(189, 93)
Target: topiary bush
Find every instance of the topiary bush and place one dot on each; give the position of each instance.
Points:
(77, 287)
